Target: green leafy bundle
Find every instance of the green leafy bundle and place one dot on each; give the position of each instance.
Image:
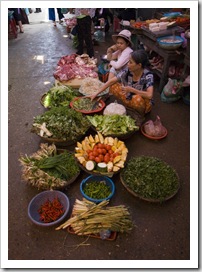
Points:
(47, 169)
(63, 123)
(59, 96)
(113, 124)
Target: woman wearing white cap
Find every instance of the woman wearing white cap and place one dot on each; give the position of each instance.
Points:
(119, 53)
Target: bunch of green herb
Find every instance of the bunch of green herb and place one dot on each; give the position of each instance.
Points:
(150, 178)
(46, 169)
(59, 96)
(113, 124)
(97, 189)
(84, 104)
(64, 123)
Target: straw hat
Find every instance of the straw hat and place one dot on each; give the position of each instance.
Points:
(126, 34)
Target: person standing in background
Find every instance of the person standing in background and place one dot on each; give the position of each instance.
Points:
(51, 14)
(37, 10)
(84, 22)
(103, 13)
(17, 14)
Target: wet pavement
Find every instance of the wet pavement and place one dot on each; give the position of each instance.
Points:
(162, 231)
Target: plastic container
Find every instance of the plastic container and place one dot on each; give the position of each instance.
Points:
(93, 178)
(170, 43)
(40, 199)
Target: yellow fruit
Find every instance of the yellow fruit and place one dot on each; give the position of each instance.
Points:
(123, 157)
(116, 168)
(79, 145)
(91, 139)
(116, 142)
(81, 159)
(120, 143)
(120, 164)
(101, 138)
(77, 155)
(110, 166)
(110, 141)
(116, 159)
(97, 140)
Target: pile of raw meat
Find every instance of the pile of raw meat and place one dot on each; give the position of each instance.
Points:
(75, 66)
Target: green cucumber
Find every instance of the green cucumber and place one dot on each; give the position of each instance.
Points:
(90, 165)
(102, 167)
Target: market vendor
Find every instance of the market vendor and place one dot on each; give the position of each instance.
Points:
(133, 86)
(118, 54)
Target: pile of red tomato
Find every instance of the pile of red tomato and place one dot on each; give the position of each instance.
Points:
(101, 153)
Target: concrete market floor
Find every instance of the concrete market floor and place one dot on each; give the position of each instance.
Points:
(162, 230)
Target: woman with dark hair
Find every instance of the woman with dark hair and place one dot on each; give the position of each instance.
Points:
(134, 86)
(118, 54)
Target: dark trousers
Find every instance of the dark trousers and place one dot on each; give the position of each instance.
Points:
(84, 34)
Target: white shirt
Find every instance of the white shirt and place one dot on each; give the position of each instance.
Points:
(122, 58)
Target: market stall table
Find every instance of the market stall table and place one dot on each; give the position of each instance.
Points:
(149, 39)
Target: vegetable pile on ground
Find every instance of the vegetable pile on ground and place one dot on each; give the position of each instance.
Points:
(61, 123)
(90, 218)
(50, 211)
(101, 155)
(113, 124)
(46, 169)
(59, 96)
(150, 178)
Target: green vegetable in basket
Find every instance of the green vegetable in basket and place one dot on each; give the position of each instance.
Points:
(97, 189)
(85, 104)
(61, 123)
(113, 124)
(150, 178)
(47, 169)
(59, 96)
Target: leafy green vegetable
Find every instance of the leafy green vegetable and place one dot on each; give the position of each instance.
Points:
(59, 96)
(85, 104)
(150, 178)
(49, 169)
(113, 124)
(61, 166)
(64, 123)
(97, 189)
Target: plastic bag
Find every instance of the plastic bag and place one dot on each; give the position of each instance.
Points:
(171, 99)
(155, 129)
(172, 88)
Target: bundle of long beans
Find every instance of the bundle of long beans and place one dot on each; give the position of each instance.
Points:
(90, 218)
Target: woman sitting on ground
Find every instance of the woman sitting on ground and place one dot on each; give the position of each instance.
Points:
(119, 53)
(134, 87)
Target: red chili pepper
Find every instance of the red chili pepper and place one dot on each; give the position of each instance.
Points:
(51, 210)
